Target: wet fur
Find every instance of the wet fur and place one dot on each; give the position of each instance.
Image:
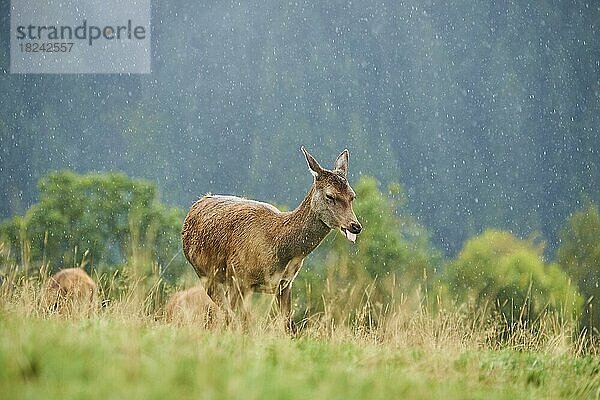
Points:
(70, 289)
(241, 245)
(191, 306)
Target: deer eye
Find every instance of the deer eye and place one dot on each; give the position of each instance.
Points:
(329, 197)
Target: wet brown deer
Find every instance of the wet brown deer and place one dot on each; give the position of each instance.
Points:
(69, 291)
(241, 246)
(193, 306)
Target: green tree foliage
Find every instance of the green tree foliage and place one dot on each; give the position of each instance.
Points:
(506, 274)
(579, 255)
(392, 256)
(110, 216)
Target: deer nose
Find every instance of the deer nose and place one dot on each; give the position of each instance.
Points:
(355, 227)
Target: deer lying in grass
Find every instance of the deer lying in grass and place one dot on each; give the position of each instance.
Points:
(70, 290)
(191, 306)
(241, 246)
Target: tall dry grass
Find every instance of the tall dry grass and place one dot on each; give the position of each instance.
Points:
(348, 313)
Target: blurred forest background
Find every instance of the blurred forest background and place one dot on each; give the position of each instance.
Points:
(459, 117)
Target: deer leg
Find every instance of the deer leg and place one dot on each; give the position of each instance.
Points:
(237, 292)
(284, 292)
(214, 289)
(238, 296)
(284, 299)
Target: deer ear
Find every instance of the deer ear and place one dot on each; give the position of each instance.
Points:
(313, 165)
(341, 163)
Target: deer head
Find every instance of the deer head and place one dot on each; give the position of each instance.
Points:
(332, 196)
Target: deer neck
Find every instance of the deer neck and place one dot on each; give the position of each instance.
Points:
(303, 230)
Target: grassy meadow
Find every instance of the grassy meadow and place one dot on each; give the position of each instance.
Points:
(125, 350)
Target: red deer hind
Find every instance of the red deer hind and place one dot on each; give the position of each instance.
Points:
(192, 306)
(241, 246)
(69, 291)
